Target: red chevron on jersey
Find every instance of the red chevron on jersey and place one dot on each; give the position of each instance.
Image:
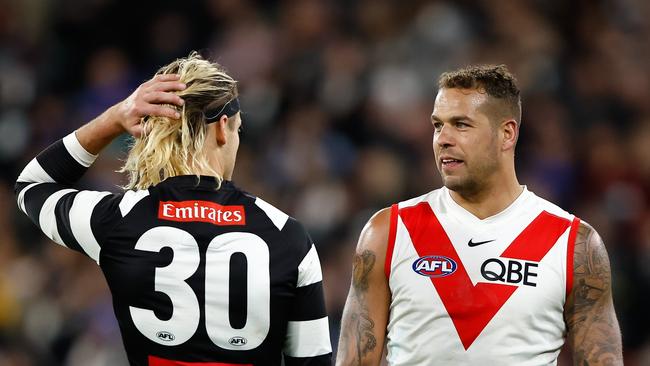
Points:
(472, 307)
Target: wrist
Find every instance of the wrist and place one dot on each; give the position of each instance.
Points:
(98, 133)
(111, 124)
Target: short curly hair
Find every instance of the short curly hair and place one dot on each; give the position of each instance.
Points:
(495, 80)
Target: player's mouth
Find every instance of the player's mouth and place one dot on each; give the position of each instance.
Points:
(450, 163)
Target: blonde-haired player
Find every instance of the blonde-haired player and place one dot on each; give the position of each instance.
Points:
(201, 273)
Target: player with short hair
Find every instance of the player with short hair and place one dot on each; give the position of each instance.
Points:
(201, 272)
(480, 271)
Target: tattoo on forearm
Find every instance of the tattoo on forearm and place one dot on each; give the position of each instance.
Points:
(366, 340)
(591, 321)
(361, 325)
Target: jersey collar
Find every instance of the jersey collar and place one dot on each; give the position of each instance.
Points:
(192, 181)
(462, 213)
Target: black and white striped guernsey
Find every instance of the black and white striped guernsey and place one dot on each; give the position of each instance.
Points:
(197, 275)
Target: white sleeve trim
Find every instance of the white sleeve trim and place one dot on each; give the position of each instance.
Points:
(278, 217)
(309, 270)
(21, 196)
(80, 215)
(47, 216)
(308, 338)
(34, 172)
(78, 152)
(130, 199)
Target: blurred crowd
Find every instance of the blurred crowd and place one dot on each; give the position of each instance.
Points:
(336, 99)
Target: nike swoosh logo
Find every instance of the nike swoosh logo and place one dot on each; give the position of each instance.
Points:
(476, 243)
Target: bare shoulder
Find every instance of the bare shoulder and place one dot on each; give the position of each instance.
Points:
(593, 330)
(591, 267)
(374, 235)
(371, 248)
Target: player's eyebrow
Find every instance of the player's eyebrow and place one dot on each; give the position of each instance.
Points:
(456, 118)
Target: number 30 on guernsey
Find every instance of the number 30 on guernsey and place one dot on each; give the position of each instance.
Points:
(186, 312)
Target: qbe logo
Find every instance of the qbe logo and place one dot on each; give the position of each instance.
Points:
(434, 266)
(510, 271)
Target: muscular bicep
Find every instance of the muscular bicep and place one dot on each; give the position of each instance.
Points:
(363, 327)
(593, 330)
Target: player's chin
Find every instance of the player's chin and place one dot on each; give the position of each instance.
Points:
(452, 182)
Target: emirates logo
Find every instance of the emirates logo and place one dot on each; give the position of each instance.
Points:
(201, 211)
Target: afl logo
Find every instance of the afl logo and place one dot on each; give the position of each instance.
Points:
(165, 336)
(434, 266)
(237, 341)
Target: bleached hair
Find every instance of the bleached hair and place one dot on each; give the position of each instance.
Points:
(171, 147)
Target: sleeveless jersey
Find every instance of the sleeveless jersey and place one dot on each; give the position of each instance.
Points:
(466, 291)
(198, 275)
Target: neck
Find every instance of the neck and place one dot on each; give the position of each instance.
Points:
(214, 153)
(215, 163)
(490, 200)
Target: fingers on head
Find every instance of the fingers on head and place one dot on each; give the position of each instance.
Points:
(160, 97)
(167, 77)
(163, 111)
(163, 82)
(168, 86)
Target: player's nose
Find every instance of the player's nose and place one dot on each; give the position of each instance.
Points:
(444, 137)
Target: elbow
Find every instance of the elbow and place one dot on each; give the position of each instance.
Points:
(21, 182)
(19, 187)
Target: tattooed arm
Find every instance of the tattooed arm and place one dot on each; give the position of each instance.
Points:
(363, 327)
(593, 331)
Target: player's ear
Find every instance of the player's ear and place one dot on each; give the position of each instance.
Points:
(221, 126)
(510, 133)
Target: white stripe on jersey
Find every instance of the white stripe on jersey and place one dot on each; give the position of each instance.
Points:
(307, 338)
(130, 199)
(47, 216)
(34, 172)
(21, 196)
(81, 155)
(278, 217)
(80, 214)
(309, 270)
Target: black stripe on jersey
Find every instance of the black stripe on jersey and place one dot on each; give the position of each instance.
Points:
(105, 215)
(295, 231)
(19, 186)
(62, 213)
(238, 295)
(309, 303)
(60, 165)
(308, 361)
(36, 196)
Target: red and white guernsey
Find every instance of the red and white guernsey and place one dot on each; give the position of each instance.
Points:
(466, 291)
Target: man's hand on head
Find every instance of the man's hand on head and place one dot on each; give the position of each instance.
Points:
(152, 98)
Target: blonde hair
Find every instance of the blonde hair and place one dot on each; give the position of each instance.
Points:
(171, 147)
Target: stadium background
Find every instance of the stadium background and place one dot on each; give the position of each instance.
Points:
(336, 98)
